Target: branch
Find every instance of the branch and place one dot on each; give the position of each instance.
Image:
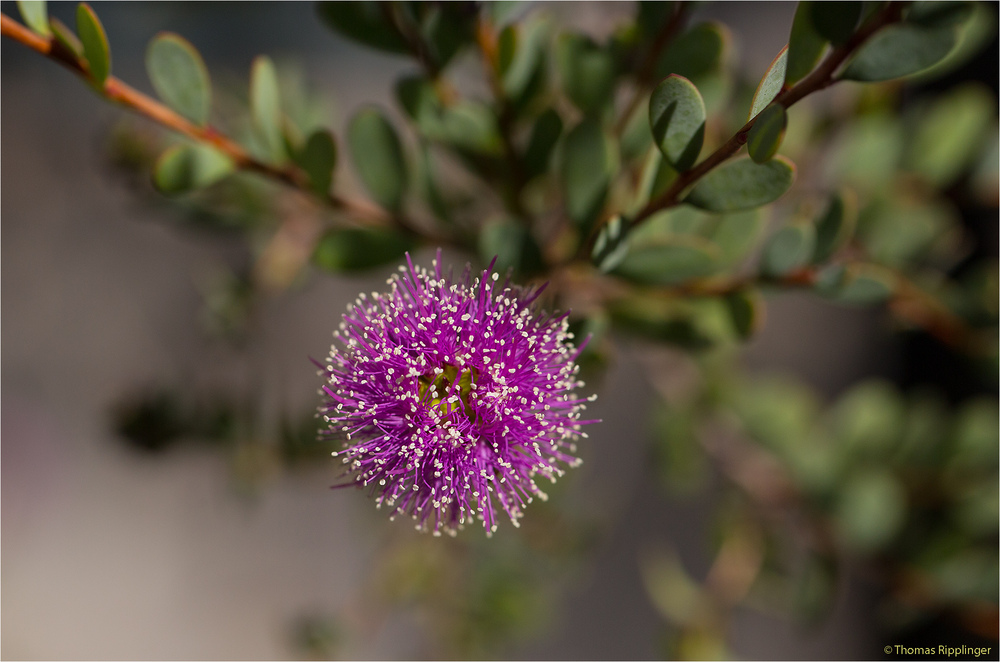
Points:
(120, 92)
(819, 79)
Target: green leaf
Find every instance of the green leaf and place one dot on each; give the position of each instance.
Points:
(179, 76)
(265, 106)
(429, 185)
(318, 158)
(865, 284)
(65, 38)
(544, 136)
(522, 56)
(355, 249)
(513, 246)
(867, 151)
(805, 45)
(742, 184)
(767, 133)
(35, 15)
(696, 54)
(868, 420)
(736, 235)
(902, 231)
(835, 21)
(938, 13)
(587, 166)
(974, 439)
(183, 168)
(669, 261)
(788, 249)
(446, 28)
(95, 43)
(651, 15)
(950, 134)
(835, 227)
(871, 510)
(587, 72)
(378, 157)
(364, 22)
(771, 84)
(677, 120)
(746, 311)
(611, 245)
(900, 50)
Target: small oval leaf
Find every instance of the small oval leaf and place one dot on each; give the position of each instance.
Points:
(697, 53)
(835, 21)
(865, 284)
(179, 76)
(611, 245)
(184, 168)
(365, 22)
(544, 136)
(900, 50)
(356, 249)
(677, 120)
(771, 84)
(587, 72)
(318, 158)
(36, 15)
(746, 312)
(835, 227)
(378, 157)
(587, 164)
(742, 184)
(510, 242)
(789, 248)
(95, 43)
(669, 262)
(65, 38)
(265, 106)
(767, 133)
(805, 45)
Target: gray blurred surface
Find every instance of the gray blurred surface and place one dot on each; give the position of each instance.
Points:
(109, 555)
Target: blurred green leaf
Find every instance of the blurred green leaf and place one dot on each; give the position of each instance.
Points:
(587, 165)
(378, 157)
(924, 430)
(184, 168)
(365, 22)
(816, 589)
(696, 54)
(544, 136)
(736, 235)
(429, 186)
(977, 508)
(446, 28)
(742, 184)
(968, 574)
(674, 594)
(938, 13)
(95, 43)
(868, 151)
(669, 261)
(776, 411)
(865, 284)
(587, 72)
(835, 21)
(35, 15)
(950, 134)
(684, 324)
(677, 121)
(611, 245)
(975, 437)
(318, 158)
(871, 509)
(899, 50)
(354, 249)
(901, 230)
(265, 106)
(677, 455)
(868, 420)
(788, 249)
(526, 44)
(179, 76)
(805, 45)
(65, 37)
(746, 310)
(835, 226)
(651, 15)
(771, 84)
(767, 133)
(513, 246)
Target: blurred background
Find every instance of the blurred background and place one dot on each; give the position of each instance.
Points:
(118, 550)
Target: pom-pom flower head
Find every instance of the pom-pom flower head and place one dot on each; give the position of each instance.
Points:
(453, 397)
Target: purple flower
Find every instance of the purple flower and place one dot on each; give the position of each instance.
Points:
(453, 397)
